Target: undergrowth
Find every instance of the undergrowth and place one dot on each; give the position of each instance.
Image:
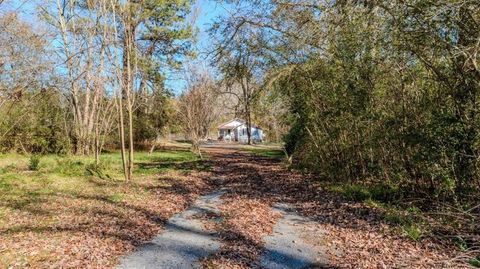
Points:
(413, 217)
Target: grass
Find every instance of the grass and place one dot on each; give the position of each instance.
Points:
(266, 152)
(408, 220)
(110, 163)
(67, 197)
(68, 173)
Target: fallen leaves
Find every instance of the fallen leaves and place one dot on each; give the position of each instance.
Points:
(353, 233)
(94, 226)
(87, 228)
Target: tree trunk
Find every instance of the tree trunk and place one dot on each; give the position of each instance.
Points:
(121, 131)
(127, 89)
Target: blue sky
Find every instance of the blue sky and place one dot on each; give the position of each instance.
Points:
(206, 11)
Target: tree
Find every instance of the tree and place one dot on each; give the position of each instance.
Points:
(382, 91)
(153, 32)
(115, 48)
(31, 111)
(197, 108)
(239, 60)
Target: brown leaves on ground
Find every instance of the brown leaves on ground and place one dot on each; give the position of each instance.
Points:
(245, 223)
(93, 226)
(356, 235)
(98, 221)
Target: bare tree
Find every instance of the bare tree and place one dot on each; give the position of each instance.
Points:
(82, 35)
(239, 79)
(197, 108)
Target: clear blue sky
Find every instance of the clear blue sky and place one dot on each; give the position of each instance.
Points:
(206, 12)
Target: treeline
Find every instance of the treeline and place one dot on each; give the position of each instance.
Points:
(382, 92)
(82, 77)
(89, 75)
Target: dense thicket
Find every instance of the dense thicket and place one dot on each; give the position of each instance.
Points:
(378, 91)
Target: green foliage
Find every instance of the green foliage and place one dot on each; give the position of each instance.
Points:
(475, 262)
(116, 198)
(34, 124)
(97, 170)
(383, 193)
(357, 193)
(69, 166)
(461, 243)
(386, 100)
(34, 162)
(412, 231)
(271, 153)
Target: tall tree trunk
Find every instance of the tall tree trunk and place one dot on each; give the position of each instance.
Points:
(121, 131)
(127, 91)
(130, 137)
(97, 148)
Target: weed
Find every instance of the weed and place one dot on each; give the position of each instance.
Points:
(461, 243)
(412, 231)
(69, 167)
(8, 168)
(34, 162)
(414, 210)
(116, 198)
(357, 193)
(395, 217)
(475, 262)
(270, 153)
(94, 169)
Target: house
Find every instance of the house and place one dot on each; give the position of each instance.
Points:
(236, 130)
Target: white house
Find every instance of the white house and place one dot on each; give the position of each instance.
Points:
(236, 130)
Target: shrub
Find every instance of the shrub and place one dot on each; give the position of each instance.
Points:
(34, 162)
(357, 193)
(412, 231)
(384, 192)
(69, 167)
(94, 169)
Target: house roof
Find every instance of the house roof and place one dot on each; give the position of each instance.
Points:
(231, 124)
(235, 123)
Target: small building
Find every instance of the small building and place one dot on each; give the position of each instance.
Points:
(236, 130)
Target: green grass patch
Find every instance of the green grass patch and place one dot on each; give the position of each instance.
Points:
(110, 166)
(60, 188)
(116, 198)
(269, 153)
(382, 193)
(408, 220)
(19, 185)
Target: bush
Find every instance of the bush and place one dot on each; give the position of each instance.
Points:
(69, 167)
(34, 162)
(94, 169)
(412, 231)
(357, 193)
(384, 192)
